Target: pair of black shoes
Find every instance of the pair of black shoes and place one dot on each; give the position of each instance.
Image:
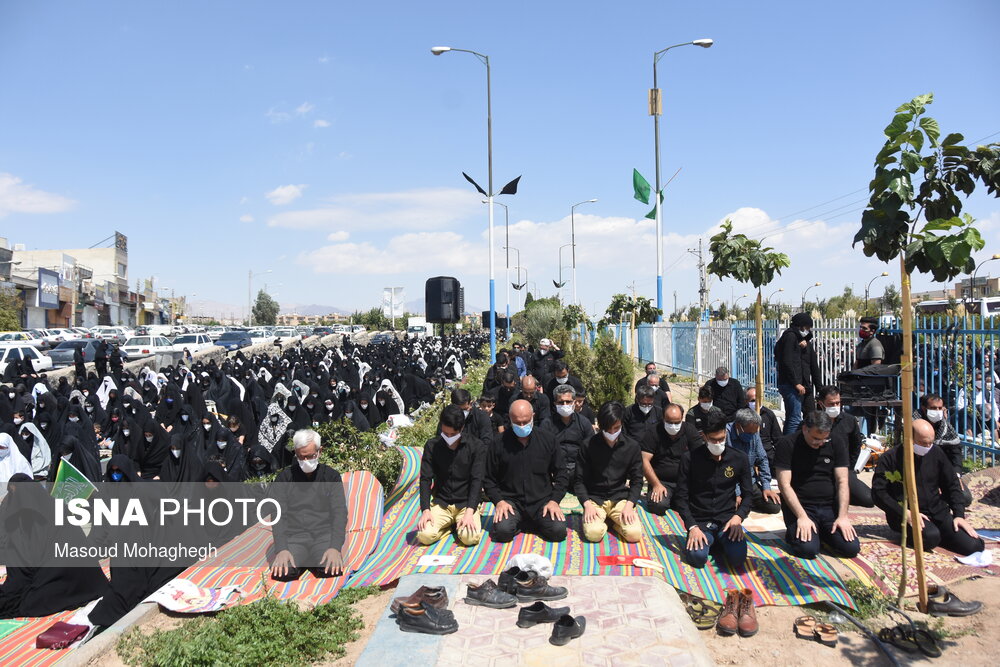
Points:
(426, 619)
(516, 585)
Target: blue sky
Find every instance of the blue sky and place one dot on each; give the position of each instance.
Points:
(323, 140)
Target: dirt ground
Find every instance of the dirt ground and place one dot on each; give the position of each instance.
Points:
(371, 609)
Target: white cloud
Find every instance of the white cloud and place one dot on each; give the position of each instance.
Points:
(304, 108)
(319, 122)
(338, 237)
(431, 208)
(276, 116)
(445, 251)
(19, 197)
(284, 194)
(246, 218)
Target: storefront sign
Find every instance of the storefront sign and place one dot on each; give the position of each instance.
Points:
(48, 289)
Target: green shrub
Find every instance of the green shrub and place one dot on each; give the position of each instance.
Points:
(870, 601)
(266, 632)
(347, 449)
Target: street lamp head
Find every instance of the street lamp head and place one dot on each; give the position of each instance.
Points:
(885, 274)
(995, 257)
(438, 50)
(781, 289)
(817, 284)
(592, 200)
(703, 43)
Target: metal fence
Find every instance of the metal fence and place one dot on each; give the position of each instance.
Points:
(956, 358)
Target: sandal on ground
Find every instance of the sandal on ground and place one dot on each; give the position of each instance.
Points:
(926, 643)
(901, 637)
(704, 613)
(804, 626)
(826, 634)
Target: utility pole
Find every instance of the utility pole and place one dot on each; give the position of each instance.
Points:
(632, 330)
(675, 301)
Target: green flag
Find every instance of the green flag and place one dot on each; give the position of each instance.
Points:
(71, 483)
(652, 214)
(641, 186)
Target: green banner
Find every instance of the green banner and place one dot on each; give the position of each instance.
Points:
(71, 483)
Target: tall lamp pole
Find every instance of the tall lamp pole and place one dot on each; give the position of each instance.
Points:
(884, 274)
(250, 275)
(438, 50)
(572, 232)
(804, 294)
(655, 110)
(507, 249)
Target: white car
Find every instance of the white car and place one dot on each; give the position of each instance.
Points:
(358, 328)
(259, 336)
(144, 346)
(55, 336)
(285, 333)
(215, 332)
(17, 338)
(9, 353)
(113, 334)
(192, 343)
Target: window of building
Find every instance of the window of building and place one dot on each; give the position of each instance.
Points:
(122, 270)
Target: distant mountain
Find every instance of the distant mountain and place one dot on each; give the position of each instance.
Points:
(311, 309)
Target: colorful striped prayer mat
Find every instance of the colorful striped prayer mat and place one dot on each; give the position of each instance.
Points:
(364, 510)
(775, 577)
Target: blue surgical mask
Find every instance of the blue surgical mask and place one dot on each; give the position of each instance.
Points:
(747, 437)
(522, 431)
(116, 476)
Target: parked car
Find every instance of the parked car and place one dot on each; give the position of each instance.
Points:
(323, 331)
(284, 333)
(62, 354)
(234, 340)
(144, 346)
(8, 338)
(10, 353)
(381, 338)
(116, 335)
(258, 336)
(192, 343)
(215, 332)
(83, 331)
(358, 328)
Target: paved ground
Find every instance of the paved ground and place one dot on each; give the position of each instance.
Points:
(630, 621)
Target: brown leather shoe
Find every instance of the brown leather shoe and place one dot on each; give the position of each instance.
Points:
(727, 623)
(435, 596)
(747, 617)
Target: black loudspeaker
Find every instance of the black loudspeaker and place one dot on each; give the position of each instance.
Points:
(443, 300)
(501, 320)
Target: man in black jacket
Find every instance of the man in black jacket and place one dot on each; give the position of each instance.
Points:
(933, 410)
(846, 426)
(477, 422)
(526, 480)
(798, 370)
(641, 415)
(570, 428)
(662, 449)
(610, 479)
(453, 466)
(727, 393)
(543, 359)
(561, 376)
(938, 492)
(706, 496)
(313, 525)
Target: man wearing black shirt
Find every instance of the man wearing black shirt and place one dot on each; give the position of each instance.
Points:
(507, 392)
(526, 479)
(540, 403)
(697, 415)
(798, 370)
(938, 492)
(477, 422)
(933, 410)
(846, 427)
(770, 428)
(727, 393)
(610, 479)
(314, 515)
(641, 415)
(540, 363)
(812, 476)
(706, 496)
(454, 464)
(561, 377)
(569, 428)
(582, 408)
(663, 393)
(662, 448)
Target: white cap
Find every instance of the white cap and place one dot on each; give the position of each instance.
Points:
(545, 341)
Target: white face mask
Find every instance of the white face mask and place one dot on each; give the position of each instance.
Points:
(184, 418)
(348, 414)
(176, 453)
(381, 401)
(18, 421)
(833, 411)
(125, 432)
(466, 413)
(722, 383)
(562, 380)
(716, 448)
(4, 453)
(74, 419)
(934, 416)
(803, 332)
(206, 426)
(672, 429)
(221, 444)
(309, 465)
(450, 439)
(644, 409)
(543, 352)
(564, 410)
(706, 406)
(149, 438)
(611, 437)
(920, 450)
(752, 405)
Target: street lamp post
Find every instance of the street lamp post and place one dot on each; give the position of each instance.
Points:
(250, 275)
(655, 109)
(507, 249)
(972, 284)
(438, 50)
(804, 294)
(561, 283)
(572, 232)
(884, 274)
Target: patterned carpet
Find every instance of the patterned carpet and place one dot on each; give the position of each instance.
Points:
(879, 563)
(775, 577)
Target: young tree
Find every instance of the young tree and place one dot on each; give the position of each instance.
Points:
(10, 309)
(265, 309)
(891, 301)
(746, 260)
(910, 185)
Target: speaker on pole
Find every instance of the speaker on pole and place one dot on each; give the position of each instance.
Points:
(443, 297)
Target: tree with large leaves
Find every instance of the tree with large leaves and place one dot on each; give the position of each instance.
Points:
(915, 215)
(746, 260)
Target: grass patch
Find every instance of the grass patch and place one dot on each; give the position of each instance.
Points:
(266, 632)
(870, 601)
